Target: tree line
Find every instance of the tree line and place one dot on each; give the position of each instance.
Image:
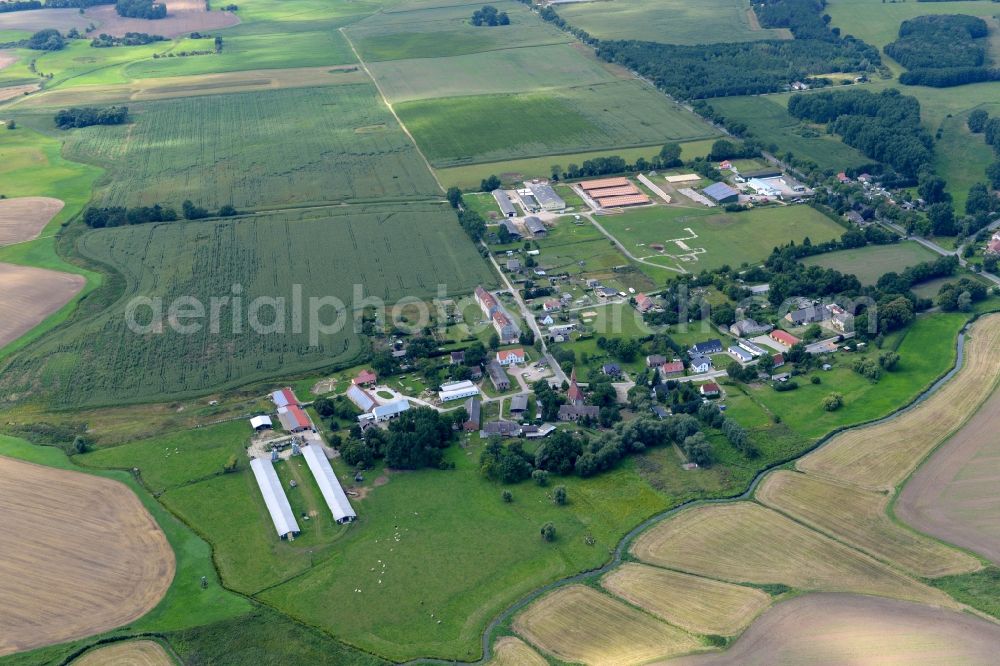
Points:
(25, 5)
(884, 126)
(942, 50)
(88, 115)
(99, 217)
(103, 41)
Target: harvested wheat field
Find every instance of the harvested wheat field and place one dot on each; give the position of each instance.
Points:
(30, 295)
(7, 58)
(510, 651)
(954, 496)
(581, 625)
(881, 456)
(183, 16)
(23, 218)
(127, 653)
(700, 605)
(80, 555)
(858, 517)
(835, 629)
(745, 542)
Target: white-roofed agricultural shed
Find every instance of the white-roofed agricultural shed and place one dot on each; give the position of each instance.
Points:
(261, 422)
(328, 484)
(360, 398)
(274, 497)
(391, 410)
(457, 391)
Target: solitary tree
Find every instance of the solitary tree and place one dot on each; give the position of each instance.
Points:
(548, 532)
(507, 496)
(833, 402)
(559, 495)
(541, 477)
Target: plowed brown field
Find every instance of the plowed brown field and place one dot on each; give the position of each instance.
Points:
(30, 295)
(79, 555)
(23, 218)
(129, 653)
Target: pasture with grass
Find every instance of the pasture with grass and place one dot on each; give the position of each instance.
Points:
(871, 262)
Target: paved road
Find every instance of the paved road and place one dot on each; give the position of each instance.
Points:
(529, 319)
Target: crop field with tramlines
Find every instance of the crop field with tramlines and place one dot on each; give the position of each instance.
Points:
(391, 251)
(256, 150)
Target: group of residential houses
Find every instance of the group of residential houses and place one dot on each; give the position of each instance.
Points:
(507, 330)
(993, 246)
(830, 314)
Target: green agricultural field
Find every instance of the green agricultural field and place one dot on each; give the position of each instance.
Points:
(696, 239)
(241, 52)
(871, 262)
(491, 128)
(669, 21)
(962, 157)
(767, 117)
(510, 71)
(878, 22)
(256, 150)
(512, 171)
(435, 31)
(391, 252)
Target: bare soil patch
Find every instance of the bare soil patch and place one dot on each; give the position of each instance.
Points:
(7, 59)
(953, 496)
(820, 629)
(183, 16)
(39, 19)
(30, 295)
(128, 653)
(80, 555)
(22, 219)
(10, 92)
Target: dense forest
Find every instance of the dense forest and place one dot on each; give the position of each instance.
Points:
(885, 126)
(942, 50)
(89, 115)
(726, 69)
(144, 9)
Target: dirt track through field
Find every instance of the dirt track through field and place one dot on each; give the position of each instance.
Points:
(954, 496)
(23, 218)
(30, 295)
(79, 555)
(829, 629)
(128, 653)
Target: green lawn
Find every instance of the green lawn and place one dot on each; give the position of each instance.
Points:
(490, 128)
(469, 176)
(669, 21)
(178, 458)
(723, 238)
(871, 262)
(767, 118)
(430, 576)
(927, 350)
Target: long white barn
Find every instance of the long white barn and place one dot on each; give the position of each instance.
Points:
(328, 484)
(274, 497)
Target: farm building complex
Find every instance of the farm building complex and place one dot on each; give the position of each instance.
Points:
(457, 391)
(546, 197)
(328, 484)
(614, 192)
(274, 498)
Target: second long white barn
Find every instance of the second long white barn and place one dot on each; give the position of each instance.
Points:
(328, 484)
